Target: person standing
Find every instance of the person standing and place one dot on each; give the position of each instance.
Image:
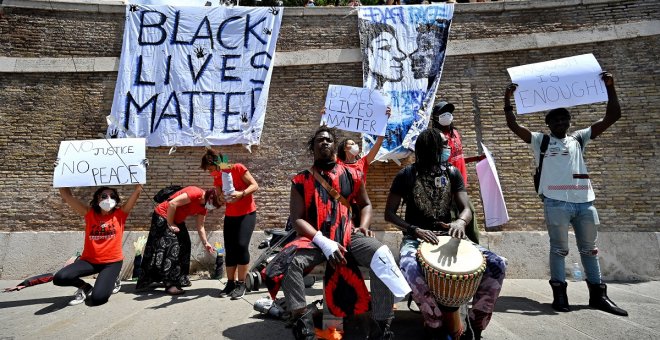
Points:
(166, 256)
(102, 254)
(442, 118)
(240, 217)
(567, 194)
(348, 152)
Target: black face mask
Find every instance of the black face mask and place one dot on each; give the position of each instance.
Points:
(324, 165)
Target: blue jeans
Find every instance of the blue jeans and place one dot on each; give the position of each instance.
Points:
(584, 218)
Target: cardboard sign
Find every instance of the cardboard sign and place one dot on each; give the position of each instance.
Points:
(355, 109)
(557, 83)
(98, 162)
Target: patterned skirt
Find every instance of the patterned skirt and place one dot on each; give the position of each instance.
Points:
(166, 256)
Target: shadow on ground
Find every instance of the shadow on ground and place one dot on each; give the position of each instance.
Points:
(528, 307)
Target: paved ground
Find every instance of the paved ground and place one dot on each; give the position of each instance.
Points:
(523, 312)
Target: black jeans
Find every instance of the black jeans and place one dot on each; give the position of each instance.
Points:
(105, 281)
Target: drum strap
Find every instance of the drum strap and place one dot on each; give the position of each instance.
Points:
(330, 189)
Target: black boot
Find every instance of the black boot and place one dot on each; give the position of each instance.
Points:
(229, 287)
(380, 330)
(598, 299)
(303, 327)
(560, 299)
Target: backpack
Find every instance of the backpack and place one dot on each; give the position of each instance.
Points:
(165, 193)
(544, 148)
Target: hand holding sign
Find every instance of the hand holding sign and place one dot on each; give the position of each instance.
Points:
(100, 162)
(557, 83)
(355, 109)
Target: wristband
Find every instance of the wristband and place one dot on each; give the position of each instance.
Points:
(411, 229)
(328, 246)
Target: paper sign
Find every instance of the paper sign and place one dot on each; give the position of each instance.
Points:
(557, 83)
(355, 109)
(495, 211)
(98, 162)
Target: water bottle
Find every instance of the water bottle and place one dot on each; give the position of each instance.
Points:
(227, 184)
(137, 264)
(577, 272)
(218, 273)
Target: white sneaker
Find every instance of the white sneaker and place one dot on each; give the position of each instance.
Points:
(80, 296)
(117, 287)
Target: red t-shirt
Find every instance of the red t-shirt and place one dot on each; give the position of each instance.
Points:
(456, 158)
(103, 234)
(195, 207)
(246, 204)
(361, 165)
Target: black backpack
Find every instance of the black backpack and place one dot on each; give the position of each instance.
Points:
(165, 193)
(544, 148)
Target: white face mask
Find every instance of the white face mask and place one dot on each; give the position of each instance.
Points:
(445, 119)
(354, 150)
(209, 206)
(107, 204)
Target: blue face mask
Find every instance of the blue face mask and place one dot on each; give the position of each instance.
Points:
(444, 157)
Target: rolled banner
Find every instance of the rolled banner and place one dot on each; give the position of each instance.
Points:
(385, 267)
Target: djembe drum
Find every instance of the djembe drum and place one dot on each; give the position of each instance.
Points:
(453, 269)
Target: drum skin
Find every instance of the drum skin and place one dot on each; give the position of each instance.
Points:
(453, 269)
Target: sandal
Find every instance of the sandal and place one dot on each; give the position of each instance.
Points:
(174, 290)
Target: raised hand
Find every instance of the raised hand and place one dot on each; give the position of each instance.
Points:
(607, 78)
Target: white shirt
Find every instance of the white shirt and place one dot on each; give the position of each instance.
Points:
(562, 163)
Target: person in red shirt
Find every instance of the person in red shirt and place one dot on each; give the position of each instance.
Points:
(348, 153)
(102, 253)
(166, 256)
(240, 217)
(442, 117)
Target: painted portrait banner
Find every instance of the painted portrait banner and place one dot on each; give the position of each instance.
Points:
(97, 162)
(495, 211)
(403, 51)
(194, 76)
(557, 83)
(355, 109)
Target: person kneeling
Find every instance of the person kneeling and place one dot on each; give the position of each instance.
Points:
(429, 187)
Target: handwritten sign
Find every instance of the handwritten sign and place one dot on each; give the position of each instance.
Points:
(97, 162)
(557, 83)
(195, 76)
(355, 109)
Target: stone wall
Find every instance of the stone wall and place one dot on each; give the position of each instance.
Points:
(40, 109)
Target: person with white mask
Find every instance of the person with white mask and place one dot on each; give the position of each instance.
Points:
(348, 153)
(166, 256)
(105, 220)
(442, 118)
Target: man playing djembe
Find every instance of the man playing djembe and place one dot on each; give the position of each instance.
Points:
(428, 187)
